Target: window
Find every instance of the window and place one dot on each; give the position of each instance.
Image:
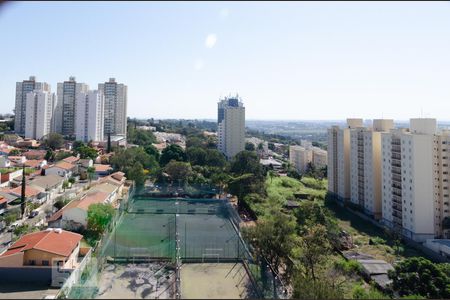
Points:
(32, 262)
(45, 263)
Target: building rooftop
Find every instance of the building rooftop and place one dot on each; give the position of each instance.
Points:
(29, 191)
(104, 187)
(59, 242)
(102, 168)
(49, 181)
(71, 159)
(64, 165)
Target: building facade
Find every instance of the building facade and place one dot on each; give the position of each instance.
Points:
(319, 157)
(231, 126)
(300, 157)
(89, 116)
(39, 114)
(115, 112)
(365, 162)
(66, 106)
(409, 179)
(22, 89)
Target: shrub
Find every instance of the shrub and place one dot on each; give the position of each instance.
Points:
(349, 267)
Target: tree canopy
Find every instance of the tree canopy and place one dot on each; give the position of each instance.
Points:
(54, 141)
(99, 216)
(419, 276)
(172, 152)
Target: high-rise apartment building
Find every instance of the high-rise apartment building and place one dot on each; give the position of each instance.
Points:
(22, 89)
(441, 184)
(231, 126)
(300, 157)
(89, 118)
(365, 162)
(410, 179)
(339, 159)
(38, 113)
(115, 107)
(319, 157)
(66, 105)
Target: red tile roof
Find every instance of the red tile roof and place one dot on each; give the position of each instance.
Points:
(64, 165)
(3, 200)
(62, 243)
(102, 168)
(33, 163)
(29, 191)
(71, 159)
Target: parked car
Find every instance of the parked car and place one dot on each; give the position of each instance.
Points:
(33, 213)
(13, 226)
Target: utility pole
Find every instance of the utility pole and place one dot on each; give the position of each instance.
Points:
(22, 196)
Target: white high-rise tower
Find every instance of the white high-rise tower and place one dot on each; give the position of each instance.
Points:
(22, 89)
(89, 116)
(231, 126)
(39, 113)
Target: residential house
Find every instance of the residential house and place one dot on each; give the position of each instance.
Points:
(72, 159)
(102, 170)
(6, 176)
(108, 188)
(61, 168)
(51, 184)
(73, 216)
(33, 194)
(35, 154)
(4, 162)
(42, 250)
(17, 160)
(36, 163)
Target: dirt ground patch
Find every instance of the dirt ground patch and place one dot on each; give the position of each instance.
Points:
(136, 281)
(215, 281)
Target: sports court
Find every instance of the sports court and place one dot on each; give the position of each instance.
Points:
(196, 240)
(215, 281)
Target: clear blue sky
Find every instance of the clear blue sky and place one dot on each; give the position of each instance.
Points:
(287, 60)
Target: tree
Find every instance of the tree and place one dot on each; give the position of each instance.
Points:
(91, 172)
(172, 152)
(314, 247)
(246, 162)
(65, 185)
(194, 141)
(196, 156)
(50, 155)
(85, 152)
(271, 146)
(419, 276)
(124, 159)
(273, 238)
(249, 146)
(152, 151)
(14, 152)
(306, 288)
(108, 145)
(214, 158)
(178, 171)
(136, 173)
(99, 216)
(54, 141)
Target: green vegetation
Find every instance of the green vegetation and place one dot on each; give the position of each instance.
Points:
(79, 148)
(98, 218)
(419, 276)
(53, 141)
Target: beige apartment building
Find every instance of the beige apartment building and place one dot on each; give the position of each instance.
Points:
(408, 176)
(300, 157)
(365, 166)
(339, 159)
(319, 157)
